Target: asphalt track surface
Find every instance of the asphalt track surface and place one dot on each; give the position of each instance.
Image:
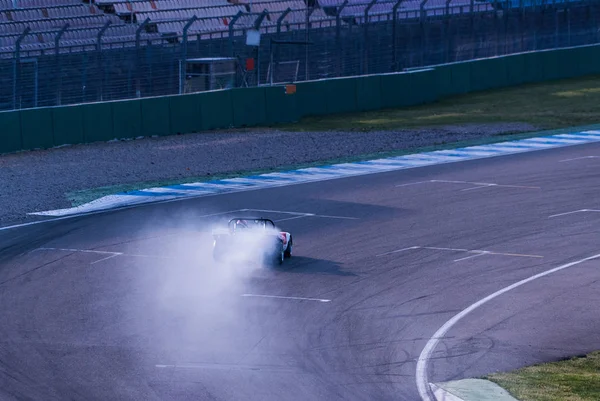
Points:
(128, 305)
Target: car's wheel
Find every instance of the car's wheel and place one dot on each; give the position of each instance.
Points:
(288, 250)
(278, 254)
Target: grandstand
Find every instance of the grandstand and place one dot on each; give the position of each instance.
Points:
(77, 51)
(119, 20)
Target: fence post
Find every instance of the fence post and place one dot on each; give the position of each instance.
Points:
(138, 33)
(17, 67)
(447, 32)
(366, 38)
(99, 49)
(57, 63)
(183, 62)
(276, 56)
(309, 11)
(338, 37)
(231, 25)
(256, 26)
(422, 17)
(395, 35)
(281, 18)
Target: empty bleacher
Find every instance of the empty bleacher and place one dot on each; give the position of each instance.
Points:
(46, 18)
(167, 18)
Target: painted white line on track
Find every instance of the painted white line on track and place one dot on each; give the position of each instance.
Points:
(301, 214)
(290, 218)
(397, 251)
(472, 256)
(117, 209)
(79, 250)
(282, 297)
(574, 211)
(579, 158)
(478, 184)
(479, 252)
(112, 254)
(421, 375)
(106, 258)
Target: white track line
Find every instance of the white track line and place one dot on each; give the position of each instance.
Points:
(472, 256)
(574, 211)
(478, 252)
(300, 214)
(79, 250)
(106, 258)
(422, 379)
(578, 158)
(397, 251)
(117, 209)
(281, 297)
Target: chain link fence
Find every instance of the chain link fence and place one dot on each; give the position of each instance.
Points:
(133, 60)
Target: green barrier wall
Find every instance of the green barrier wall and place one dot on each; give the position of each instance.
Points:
(67, 125)
(368, 93)
(340, 95)
(10, 131)
(169, 115)
(184, 114)
(311, 101)
(36, 128)
(155, 116)
(97, 122)
(248, 107)
(127, 119)
(280, 108)
(215, 109)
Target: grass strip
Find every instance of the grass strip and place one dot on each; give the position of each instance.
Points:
(573, 379)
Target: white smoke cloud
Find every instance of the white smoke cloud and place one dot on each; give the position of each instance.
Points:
(188, 305)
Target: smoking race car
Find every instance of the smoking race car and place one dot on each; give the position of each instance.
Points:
(252, 239)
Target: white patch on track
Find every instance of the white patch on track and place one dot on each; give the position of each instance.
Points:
(282, 297)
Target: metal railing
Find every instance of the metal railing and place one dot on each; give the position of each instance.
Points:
(125, 60)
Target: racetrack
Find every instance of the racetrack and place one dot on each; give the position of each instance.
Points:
(127, 305)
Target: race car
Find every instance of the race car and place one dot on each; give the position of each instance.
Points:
(255, 238)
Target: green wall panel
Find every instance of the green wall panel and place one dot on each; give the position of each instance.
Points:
(215, 109)
(310, 101)
(423, 86)
(368, 93)
(340, 94)
(397, 90)
(67, 125)
(280, 108)
(488, 74)
(569, 62)
(97, 122)
(185, 116)
(155, 116)
(443, 80)
(36, 128)
(586, 66)
(515, 70)
(590, 60)
(549, 63)
(461, 78)
(248, 106)
(533, 70)
(10, 131)
(127, 119)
